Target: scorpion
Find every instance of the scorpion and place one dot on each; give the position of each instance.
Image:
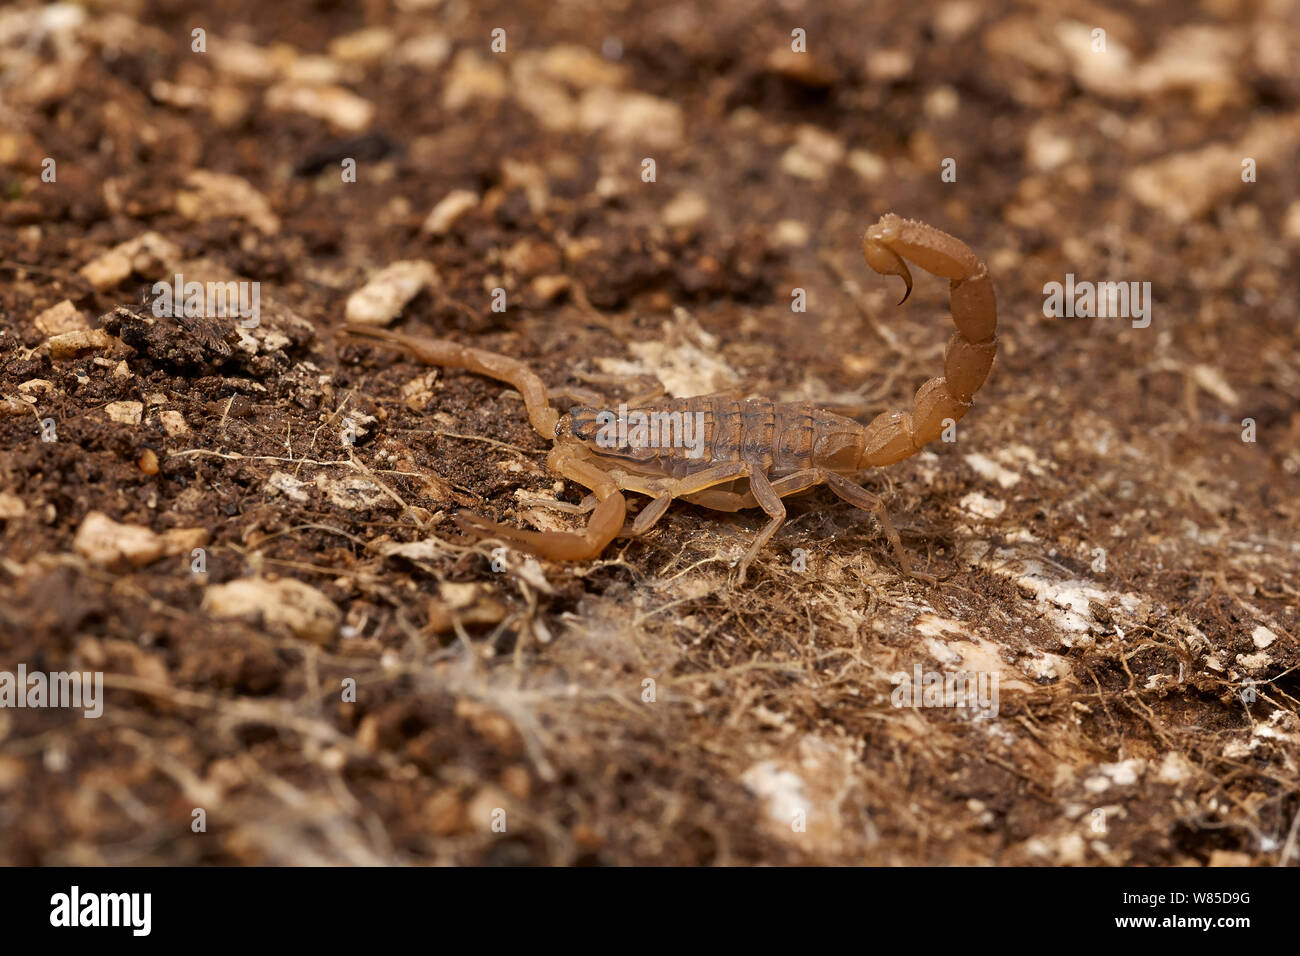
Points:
(757, 451)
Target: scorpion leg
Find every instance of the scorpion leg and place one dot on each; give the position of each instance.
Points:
(606, 520)
(791, 484)
(774, 507)
(665, 490)
(893, 436)
(859, 497)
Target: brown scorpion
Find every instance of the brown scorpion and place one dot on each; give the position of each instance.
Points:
(754, 452)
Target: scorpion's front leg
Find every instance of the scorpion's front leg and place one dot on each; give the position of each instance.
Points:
(893, 436)
(606, 519)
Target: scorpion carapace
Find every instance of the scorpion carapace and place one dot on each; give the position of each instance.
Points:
(727, 455)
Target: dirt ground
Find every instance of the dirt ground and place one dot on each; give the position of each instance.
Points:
(249, 531)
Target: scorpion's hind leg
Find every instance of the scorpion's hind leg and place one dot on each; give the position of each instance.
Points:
(606, 519)
(859, 497)
(893, 436)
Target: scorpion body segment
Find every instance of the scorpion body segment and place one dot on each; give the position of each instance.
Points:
(728, 455)
(776, 438)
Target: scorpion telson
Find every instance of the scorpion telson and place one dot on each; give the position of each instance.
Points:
(758, 451)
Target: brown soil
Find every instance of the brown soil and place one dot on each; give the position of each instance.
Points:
(1107, 542)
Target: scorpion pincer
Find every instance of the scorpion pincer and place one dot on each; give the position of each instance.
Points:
(744, 454)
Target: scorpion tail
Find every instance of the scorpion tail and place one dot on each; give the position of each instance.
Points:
(893, 436)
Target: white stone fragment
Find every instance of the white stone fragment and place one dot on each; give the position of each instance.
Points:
(389, 290)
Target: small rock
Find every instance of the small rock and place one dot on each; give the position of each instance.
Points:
(790, 233)
(1174, 768)
(310, 69)
(173, 422)
(1254, 662)
(1109, 73)
(282, 603)
(1196, 58)
(71, 344)
(450, 208)
(1187, 185)
(354, 494)
(107, 544)
(245, 61)
(868, 165)
(417, 393)
(147, 254)
(223, 196)
(1046, 149)
(364, 46)
(956, 17)
(289, 486)
(531, 257)
(802, 68)
(814, 153)
(982, 506)
(472, 78)
(11, 506)
(382, 299)
(428, 51)
(543, 95)
(341, 108)
(127, 413)
(473, 604)
(61, 318)
(581, 68)
(1262, 637)
(632, 118)
(184, 540)
(887, 66)
(529, 177)
(942, 102)
(550, 287)
(685, 210)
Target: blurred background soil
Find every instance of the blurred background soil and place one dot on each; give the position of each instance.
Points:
(338, 677)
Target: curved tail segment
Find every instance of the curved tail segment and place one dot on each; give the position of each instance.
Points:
(887, 246)
(454, 355)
